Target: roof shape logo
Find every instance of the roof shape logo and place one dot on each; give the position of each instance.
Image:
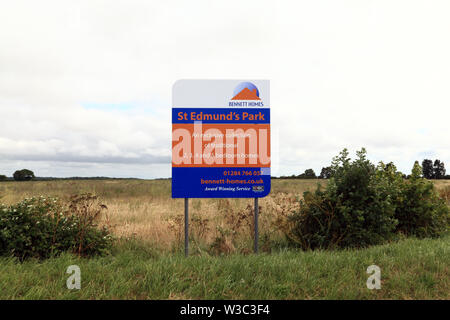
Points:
(246, 91)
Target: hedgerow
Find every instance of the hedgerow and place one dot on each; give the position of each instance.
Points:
(364, 205)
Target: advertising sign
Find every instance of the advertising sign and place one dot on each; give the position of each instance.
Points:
(221, 139)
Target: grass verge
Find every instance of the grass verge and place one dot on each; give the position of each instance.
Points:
(410, 269)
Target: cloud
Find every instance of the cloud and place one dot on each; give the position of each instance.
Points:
(89, 82)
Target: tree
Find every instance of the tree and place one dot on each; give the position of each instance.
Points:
(438, 169)
(3, 177)
(427, 169)
(308, 174)
(23, 175)
(325, 173)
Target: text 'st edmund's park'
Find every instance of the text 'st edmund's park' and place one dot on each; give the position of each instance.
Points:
(221, 139)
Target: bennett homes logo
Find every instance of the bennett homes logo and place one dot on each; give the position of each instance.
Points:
(246, 94)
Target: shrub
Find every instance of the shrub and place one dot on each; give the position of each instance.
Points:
(43, 227)
(420, 211)
(355, 209)
(365, 205)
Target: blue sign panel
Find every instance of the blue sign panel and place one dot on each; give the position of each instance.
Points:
(221, 139)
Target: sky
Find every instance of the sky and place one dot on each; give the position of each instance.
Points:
(85, 86)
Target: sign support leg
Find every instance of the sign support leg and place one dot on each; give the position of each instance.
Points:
(186, 226)
(256, 225)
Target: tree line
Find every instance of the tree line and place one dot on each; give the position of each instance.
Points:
(27, 175)
(430, 170)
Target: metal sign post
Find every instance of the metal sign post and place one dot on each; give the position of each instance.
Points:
(186, 226)
(256, 225)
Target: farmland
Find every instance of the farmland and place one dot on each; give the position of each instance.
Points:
(145, 210)
(147, 261)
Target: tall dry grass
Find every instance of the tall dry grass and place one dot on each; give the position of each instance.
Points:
(144, 209)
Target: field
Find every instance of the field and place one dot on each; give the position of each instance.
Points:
(145, 210)
(148, 263)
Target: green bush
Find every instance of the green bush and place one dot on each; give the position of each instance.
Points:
(355, 209)
(420, 211)
(44, 227)
(365, 205)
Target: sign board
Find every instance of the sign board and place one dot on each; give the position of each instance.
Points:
(220, 139)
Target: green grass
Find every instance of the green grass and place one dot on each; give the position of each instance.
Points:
(410, 269)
